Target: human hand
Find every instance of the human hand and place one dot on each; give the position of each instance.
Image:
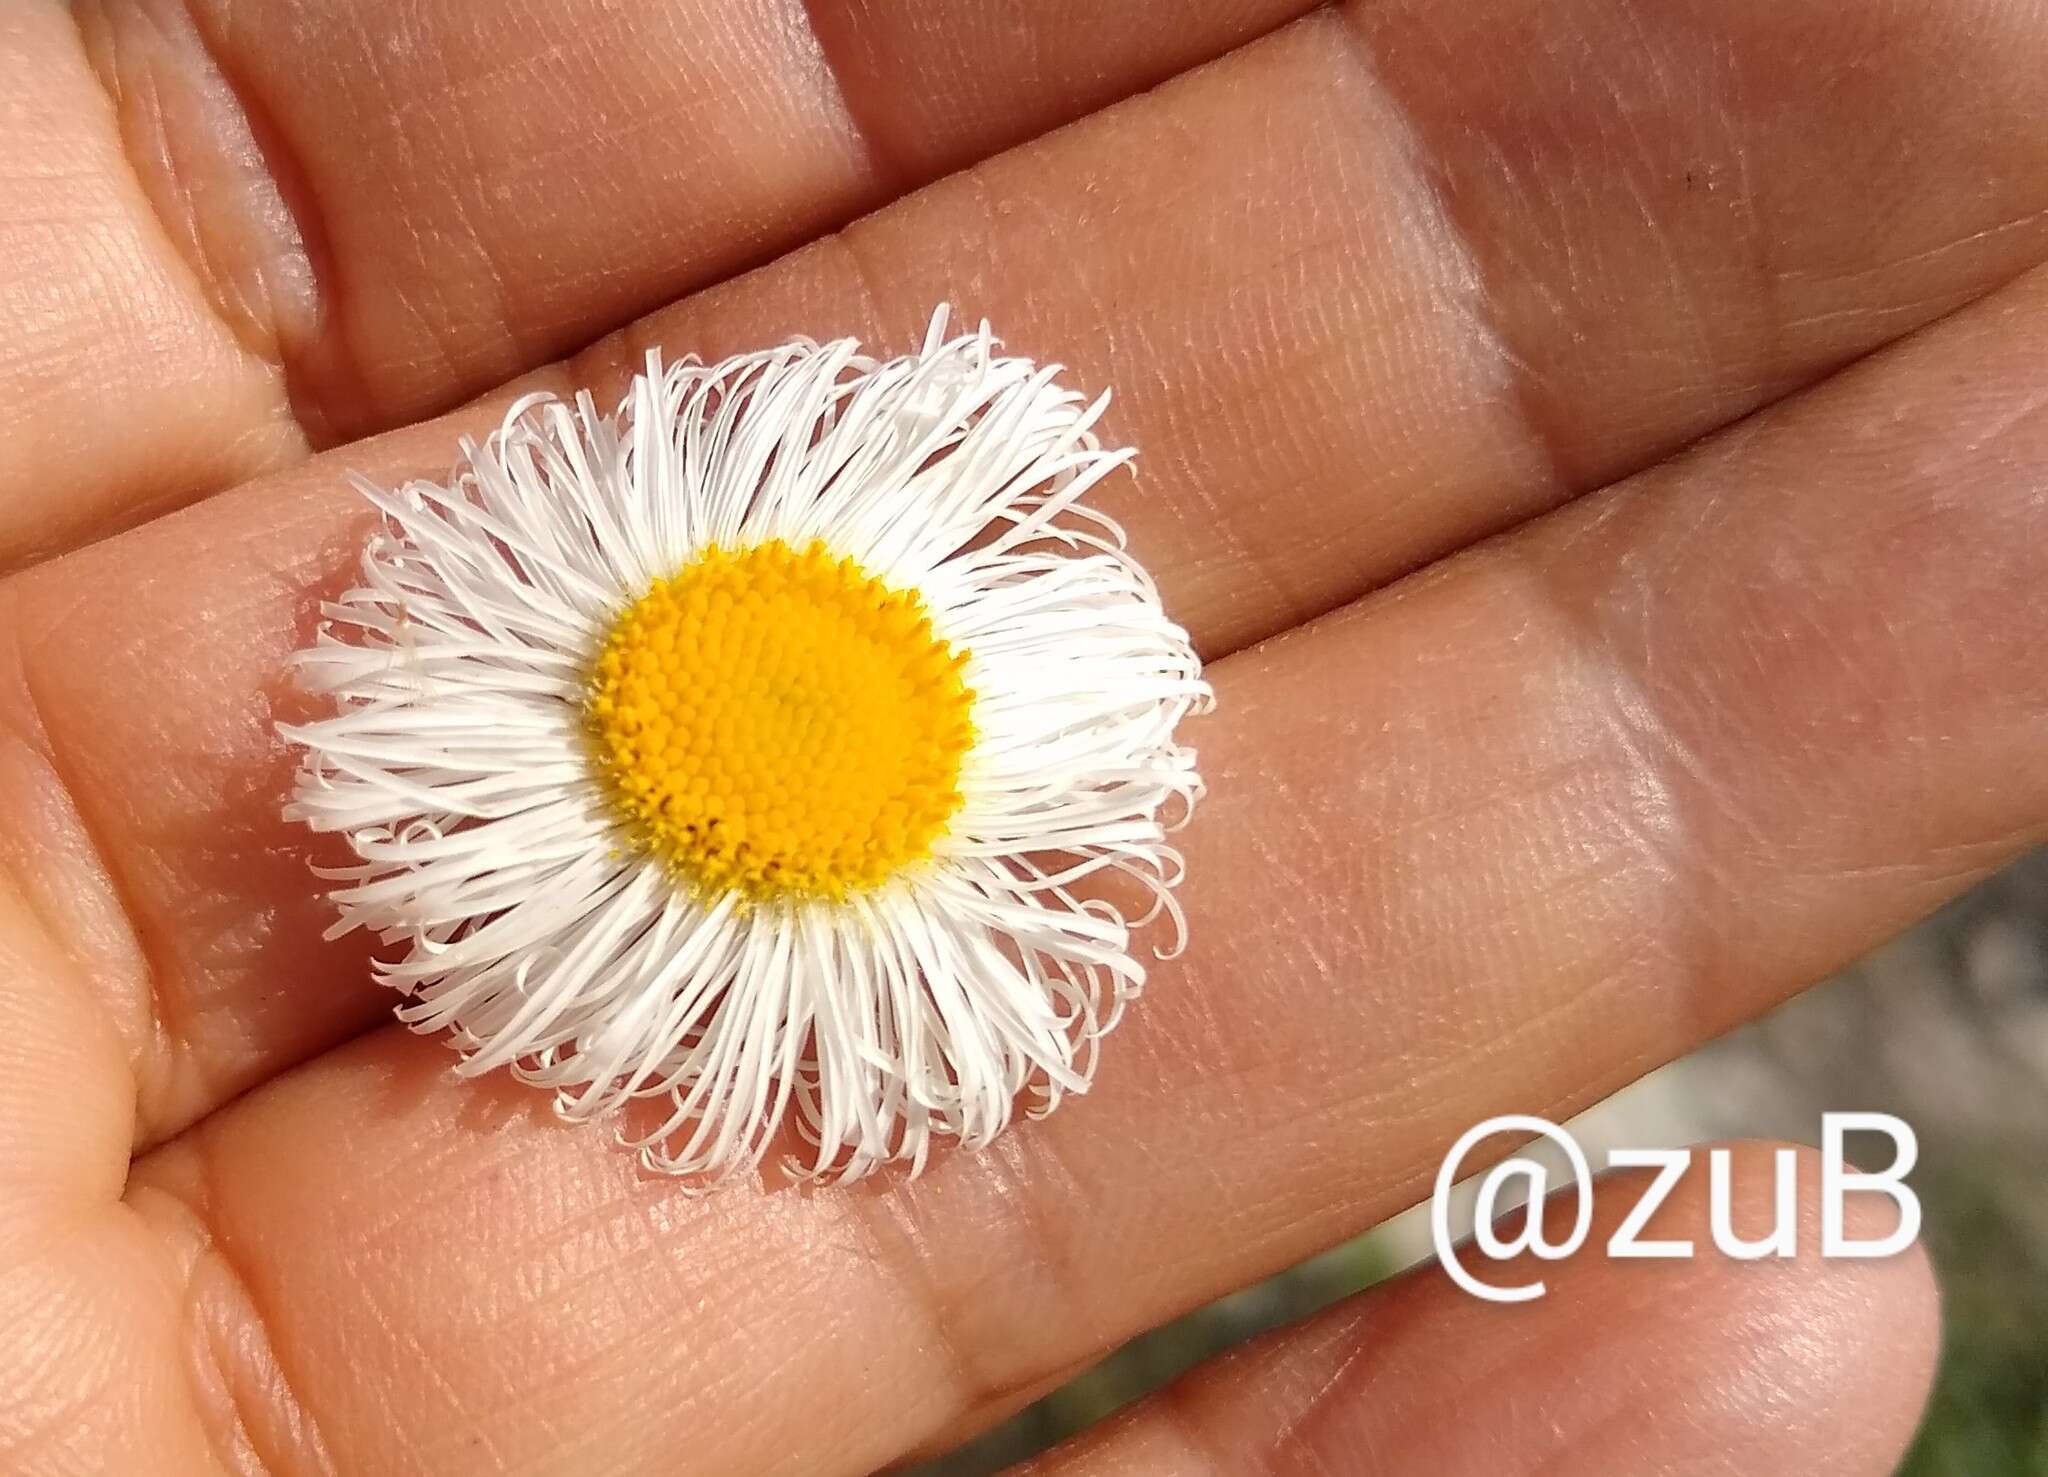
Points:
(1573, 752)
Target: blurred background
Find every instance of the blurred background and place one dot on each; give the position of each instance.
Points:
(1947, 1027)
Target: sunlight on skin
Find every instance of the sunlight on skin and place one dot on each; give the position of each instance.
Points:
(317, 222)
(1583, 795)
(1747, 1361)
(1627, 821)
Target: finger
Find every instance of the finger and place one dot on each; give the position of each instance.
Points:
(386, 270)
(1356, 420)
(1689, 1368)
(121, 390)
(87, 1295)
(65, 1093)
(1407, 274)
(1499, 840)
(312, 214)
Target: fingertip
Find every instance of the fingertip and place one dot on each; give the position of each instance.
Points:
(1838, 1352)
(1707, 1366)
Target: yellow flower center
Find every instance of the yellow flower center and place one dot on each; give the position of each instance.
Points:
(777, 722)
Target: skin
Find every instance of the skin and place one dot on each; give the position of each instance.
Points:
(1601, 447)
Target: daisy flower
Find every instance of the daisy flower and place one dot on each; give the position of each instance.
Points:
(792, 750)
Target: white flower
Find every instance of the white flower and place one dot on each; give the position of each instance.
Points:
(788, 749)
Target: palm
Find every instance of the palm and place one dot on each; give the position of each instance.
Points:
(1494, 836)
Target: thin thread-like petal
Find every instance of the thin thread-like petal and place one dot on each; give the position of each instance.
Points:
(519, 915)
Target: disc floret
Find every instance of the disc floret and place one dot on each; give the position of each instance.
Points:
(776, 722)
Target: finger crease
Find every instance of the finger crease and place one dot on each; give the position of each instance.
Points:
(980, 1382)
(1460, 240)
(245, 1392)
(833, 41)
(149, 1030)
(262, 260)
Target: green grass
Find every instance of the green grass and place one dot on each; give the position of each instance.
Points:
(1989, 1413)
